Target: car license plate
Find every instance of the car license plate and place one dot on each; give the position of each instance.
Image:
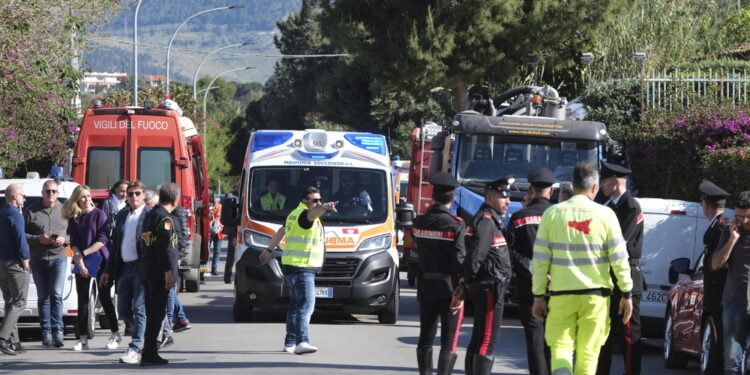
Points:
(323, 292)
(660, 297)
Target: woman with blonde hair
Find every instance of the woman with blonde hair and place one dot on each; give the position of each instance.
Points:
(88, 227)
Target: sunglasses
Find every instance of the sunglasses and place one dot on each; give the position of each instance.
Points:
(134, 193)
(316, 200)
(50, 191)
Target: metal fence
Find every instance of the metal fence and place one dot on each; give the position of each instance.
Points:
(662, 89)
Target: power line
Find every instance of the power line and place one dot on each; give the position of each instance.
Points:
(100, 41)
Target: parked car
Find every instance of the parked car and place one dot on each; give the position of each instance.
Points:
(30, 317)
(689, 331)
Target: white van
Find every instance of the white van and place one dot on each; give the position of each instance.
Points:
(30, 316)
(671, 229)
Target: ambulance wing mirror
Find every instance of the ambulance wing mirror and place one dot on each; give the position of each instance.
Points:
(404, 215)
(679, 266)
(437, 144)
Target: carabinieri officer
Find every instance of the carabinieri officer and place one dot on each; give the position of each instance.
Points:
(522, 230)
(439, 236)
(713, 201)
(487, 272)
(630, 216)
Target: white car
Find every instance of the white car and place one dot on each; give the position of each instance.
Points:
(30, 316)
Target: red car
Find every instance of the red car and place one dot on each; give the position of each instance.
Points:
(689, 332)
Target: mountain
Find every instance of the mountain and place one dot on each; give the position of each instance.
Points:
(110, 48)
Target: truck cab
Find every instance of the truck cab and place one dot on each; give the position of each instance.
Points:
(360, 270)
(155, 146)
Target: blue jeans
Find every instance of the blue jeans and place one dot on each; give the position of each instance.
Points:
(216, 253)
(175, 312)
(735, 322)
(301, 288)
(131, 303)
(49, 277)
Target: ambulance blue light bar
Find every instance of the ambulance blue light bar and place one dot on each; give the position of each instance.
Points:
(264, 140)
(309, 155)
(373, 143)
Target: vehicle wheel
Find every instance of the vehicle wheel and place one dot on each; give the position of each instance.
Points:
(241, 310)
(672, 358)
(708, 346)
(192, 280)
(390, 314)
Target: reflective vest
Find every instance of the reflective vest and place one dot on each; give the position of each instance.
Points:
(577, 244)
(303, 247)
(269, 202)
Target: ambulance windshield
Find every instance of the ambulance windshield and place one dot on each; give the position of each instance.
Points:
(362, 193)
(484, 158)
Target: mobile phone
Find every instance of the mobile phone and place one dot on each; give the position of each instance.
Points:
(54, 237)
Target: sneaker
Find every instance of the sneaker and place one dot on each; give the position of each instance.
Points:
(18, 347)
(289, 349)
(47, 338)
(114, 341)
(169, 341)
(131, 356)
(81, 345)
(181, 326)
(154, 361)
(304, 348)
(57, 339)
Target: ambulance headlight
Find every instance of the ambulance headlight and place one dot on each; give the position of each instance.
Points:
(256, 239)
(382, 242)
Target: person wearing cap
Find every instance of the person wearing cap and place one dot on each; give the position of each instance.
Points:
(713, 201)
(439, 236)
(487, 271)
(522, 229)
(630, 217)
(579, 241)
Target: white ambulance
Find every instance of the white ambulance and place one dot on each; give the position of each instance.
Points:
(360, 271)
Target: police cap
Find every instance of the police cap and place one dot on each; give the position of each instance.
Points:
(444, 179)
(614, 170)
(711, 192)
(501, 186)
(541, 177)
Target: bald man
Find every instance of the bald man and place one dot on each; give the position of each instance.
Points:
(14, 267)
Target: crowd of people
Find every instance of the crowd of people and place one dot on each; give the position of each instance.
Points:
(133, 243)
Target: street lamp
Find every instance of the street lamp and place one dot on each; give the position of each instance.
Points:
(135, 54)
(587, 58)
(195, 78)
(205, 96)
(641, 58)
(183, 23)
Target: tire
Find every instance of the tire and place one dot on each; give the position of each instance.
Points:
(241, 309)
(192, 280)
(709, 347)
(390, 314)
(672, 358)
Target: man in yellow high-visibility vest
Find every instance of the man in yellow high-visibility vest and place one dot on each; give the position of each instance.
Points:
(578, 242)
(302, 258)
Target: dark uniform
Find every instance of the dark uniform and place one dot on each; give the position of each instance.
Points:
(161, 255)
(714, 280)
(630, 216)
(439, 236)
(487, 271)
(522, 230)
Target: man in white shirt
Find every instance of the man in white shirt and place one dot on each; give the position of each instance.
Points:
(123, 266)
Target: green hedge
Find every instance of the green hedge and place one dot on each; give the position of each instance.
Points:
(728, 168)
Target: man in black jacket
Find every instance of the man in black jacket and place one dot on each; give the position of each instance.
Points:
(630, 216)
(439, 236)
(522, 230)
(158, 268)
(487, 271)
(126, 251)
(713, 201)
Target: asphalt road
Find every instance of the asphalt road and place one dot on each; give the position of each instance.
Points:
(348, 344)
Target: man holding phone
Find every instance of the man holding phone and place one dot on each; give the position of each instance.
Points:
(46, 234)
(734, 254)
